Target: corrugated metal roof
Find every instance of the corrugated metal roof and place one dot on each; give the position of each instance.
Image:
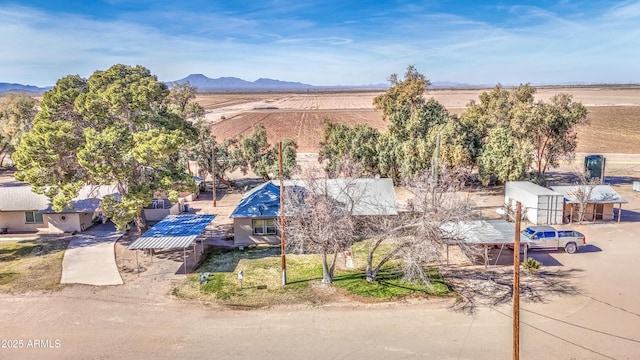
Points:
(482, 232)
(174, 231)
(263, 200)
(370, 196)
(601, 194)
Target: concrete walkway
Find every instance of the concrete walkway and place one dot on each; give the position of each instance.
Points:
(90, 257)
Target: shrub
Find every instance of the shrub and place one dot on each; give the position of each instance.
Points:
(532, 265)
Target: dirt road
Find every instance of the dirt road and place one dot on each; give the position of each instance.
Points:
(90, 324)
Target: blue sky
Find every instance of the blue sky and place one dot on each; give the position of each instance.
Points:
(325, 42)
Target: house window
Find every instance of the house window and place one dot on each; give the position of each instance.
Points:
(264, 227)
(33, 217)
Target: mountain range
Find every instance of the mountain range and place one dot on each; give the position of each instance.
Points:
(206, 84)
(9, 87)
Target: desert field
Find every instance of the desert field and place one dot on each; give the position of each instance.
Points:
(614, 114)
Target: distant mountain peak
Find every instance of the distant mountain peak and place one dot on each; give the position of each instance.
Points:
(10, 87)
(204, 83)
(196, 76)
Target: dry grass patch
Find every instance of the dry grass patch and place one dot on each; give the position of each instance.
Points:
(30, 265)
(262, 279)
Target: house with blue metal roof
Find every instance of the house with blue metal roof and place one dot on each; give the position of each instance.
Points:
(256, 217)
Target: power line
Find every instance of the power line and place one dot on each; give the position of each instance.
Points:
(571, 342)
(466, 337)
(608, 304)
(560, 338)
(583, 327)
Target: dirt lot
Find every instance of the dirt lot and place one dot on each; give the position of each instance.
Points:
(614, 114)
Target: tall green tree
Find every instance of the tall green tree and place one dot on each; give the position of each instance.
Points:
(414, 123)
(114, 128)
(407, 147)
(502, 157)
(545, 129)
(390, 156)
(182, 98)
(254, 153)
(498, 107)
(267, 165)
(554, 134)
(17, 112)
(402, 99)
(457, 144)
(358, 143)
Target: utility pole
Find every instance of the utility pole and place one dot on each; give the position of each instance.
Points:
(213, 171)
(282, 237)
(516, 284)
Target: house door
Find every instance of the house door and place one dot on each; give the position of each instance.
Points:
(599, 211)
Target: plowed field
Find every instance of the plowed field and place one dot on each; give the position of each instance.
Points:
(305, 127)
(614, 114)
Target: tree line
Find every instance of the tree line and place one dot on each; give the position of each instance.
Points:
(501, 135)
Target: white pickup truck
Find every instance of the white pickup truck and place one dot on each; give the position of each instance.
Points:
(546, 237)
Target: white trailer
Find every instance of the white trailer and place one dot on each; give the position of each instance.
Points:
(541, 206)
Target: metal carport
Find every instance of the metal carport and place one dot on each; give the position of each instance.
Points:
(483, 233)
(174, 231)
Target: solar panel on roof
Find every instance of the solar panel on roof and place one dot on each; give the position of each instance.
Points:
(174, 231)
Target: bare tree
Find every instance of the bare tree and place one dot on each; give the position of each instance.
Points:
(583, 192)
(418, 236)
(319, 218)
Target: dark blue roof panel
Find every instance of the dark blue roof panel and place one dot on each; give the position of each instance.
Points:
(261, 201)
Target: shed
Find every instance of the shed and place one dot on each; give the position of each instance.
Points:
(599, 206)
(541, 206)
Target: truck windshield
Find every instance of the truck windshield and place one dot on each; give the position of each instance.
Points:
(528, 232)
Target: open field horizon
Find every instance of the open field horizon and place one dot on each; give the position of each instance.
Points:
(613, 114)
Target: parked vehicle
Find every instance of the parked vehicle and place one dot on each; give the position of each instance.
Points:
(547, 237)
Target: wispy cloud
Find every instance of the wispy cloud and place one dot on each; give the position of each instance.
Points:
(302, 41)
